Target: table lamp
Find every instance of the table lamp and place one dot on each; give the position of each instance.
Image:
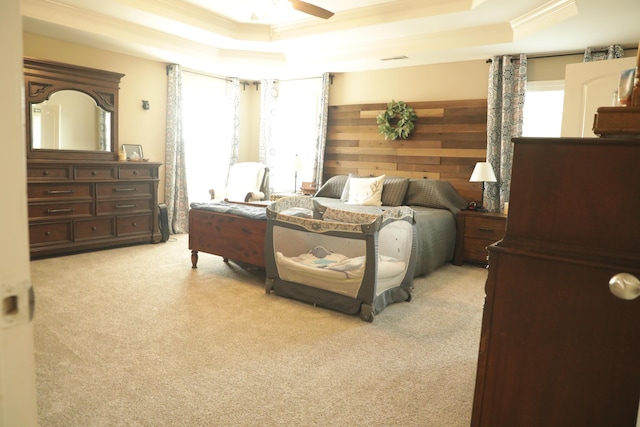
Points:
(482, 172)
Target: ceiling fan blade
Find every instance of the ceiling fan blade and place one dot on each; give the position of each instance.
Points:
(308, 8)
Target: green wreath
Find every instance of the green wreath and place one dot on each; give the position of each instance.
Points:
(403, 116)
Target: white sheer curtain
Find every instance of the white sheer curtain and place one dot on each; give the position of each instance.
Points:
(211, 131)
(293, 124)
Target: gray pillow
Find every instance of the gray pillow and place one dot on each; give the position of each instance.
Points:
(394, 189)
(333, 187)
(434, 193)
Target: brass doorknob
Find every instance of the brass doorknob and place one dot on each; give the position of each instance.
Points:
(625, 286)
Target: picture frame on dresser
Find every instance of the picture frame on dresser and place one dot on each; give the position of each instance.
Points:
(133, 151)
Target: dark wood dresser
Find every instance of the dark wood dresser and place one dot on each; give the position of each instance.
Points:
(80, 196)
(83, 205)
(557, 347)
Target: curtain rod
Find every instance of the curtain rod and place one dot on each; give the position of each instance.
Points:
(554, 55)
(201, 73)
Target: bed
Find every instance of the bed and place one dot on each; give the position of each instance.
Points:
(435, 205)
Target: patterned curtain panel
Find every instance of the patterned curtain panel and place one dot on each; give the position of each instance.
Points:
(175, 189)
(507, 82)
(233, 93)
(603, 53)
(105, 134)
(318, 165)
(268, 115)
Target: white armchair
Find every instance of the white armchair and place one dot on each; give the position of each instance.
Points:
(247, 182)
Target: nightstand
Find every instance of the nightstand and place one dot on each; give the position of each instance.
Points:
(476, 231)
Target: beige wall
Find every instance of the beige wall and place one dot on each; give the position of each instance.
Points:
(145, 79)
(453, 81)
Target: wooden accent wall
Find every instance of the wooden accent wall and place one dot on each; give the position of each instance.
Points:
(448, 140)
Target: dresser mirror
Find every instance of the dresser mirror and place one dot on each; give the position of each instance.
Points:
(70, 120)
(71, 111)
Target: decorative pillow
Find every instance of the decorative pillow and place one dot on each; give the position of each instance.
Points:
(393, 190)
(333, 187)
(345, 191)
(434, 193)
(366, 191)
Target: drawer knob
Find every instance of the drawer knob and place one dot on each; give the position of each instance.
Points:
(94, 228)
(45, 173)
(94, 173)
(135, 172)
(47, 233)
(625, 286)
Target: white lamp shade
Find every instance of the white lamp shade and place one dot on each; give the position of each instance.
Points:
(298, 164)
(483, 172)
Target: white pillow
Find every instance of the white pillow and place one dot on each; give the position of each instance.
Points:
(366, 191)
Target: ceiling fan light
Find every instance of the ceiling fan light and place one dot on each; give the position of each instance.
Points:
(261, 9)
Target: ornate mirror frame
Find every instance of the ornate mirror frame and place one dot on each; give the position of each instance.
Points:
(44, 78)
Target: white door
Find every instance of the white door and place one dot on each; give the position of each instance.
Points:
(17, 362)
(588, 86)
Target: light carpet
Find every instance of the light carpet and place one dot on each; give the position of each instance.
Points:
(135, 337)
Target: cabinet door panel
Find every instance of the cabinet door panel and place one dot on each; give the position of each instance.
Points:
(558, 348)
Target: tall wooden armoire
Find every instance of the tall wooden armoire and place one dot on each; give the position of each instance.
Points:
(558, 348)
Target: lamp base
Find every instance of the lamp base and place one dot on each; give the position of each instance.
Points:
(477, 207)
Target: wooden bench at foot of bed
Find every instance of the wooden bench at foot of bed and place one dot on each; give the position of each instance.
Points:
(233, 237)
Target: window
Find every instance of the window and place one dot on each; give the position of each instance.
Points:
(543, 103)
(294, 133)
(207, 120)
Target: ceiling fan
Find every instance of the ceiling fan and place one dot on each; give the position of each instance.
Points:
(301, 6)
(311, 9)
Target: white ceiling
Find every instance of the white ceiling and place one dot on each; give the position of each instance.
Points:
(219, 36)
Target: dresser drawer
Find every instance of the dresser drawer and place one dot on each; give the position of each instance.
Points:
(134, 224)
(128, 172)
(94, 228)
(59, 191)
(128, 206)
(53, 172)
(476, 249)
(484, 228)
(51, 232)
(39, 211)
(124, 189)
(94, 172)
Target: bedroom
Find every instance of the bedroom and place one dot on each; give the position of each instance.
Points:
(147, 79)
